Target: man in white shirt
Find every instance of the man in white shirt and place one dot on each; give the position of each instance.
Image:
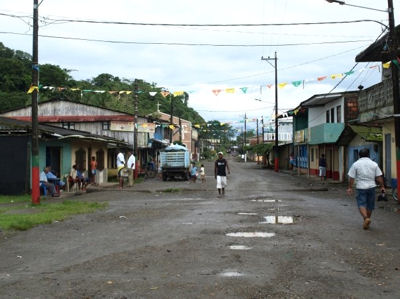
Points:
(366, 173)
(120, 166)
(131, 167)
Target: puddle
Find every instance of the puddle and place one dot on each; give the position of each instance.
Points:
(248, 214)
(278, 220)
(231, 274)
(239, 247)
(251, 235)
(266, 200)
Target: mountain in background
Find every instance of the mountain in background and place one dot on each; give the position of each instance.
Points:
(16, 77)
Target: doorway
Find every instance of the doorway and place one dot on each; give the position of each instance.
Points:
(53, 159)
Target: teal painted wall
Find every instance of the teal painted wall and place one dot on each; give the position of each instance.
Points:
(65, 153)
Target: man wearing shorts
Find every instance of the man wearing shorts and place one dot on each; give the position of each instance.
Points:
(366, 173)
(120, 166)
(220, 168)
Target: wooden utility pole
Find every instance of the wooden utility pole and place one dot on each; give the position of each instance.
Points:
(276, 148)
(34, 112)
(171, 120)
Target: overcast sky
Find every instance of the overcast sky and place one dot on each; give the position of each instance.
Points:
(330, 49)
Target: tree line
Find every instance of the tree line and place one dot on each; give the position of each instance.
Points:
(16, 77)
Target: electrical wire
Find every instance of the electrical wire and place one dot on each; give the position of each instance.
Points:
(202, 25)
(186, 44)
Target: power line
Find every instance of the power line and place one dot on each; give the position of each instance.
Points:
(199, 25)
(187, 44)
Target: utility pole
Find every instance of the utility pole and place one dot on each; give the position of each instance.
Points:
(393, 43)
(171, 119)
(180, 130)
(34, 112)
(262, 128)
(135, 126)
(257, 132)
(276, 148)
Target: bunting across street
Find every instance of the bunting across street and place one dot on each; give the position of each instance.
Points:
(218, 91)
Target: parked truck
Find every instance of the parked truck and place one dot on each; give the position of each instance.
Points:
(175, 161)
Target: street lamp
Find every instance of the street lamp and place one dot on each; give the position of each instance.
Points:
(358, 6)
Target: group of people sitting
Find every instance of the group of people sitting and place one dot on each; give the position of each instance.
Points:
(53, 184)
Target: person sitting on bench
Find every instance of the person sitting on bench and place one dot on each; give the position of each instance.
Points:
(45, 182)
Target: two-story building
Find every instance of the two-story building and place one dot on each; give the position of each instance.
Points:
(94, 120)
(318, 123)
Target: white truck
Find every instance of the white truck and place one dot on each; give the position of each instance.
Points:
(175, 161)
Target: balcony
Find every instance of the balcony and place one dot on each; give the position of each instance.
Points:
(325, 133)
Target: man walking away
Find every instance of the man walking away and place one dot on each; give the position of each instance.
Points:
(366, 173)
(322, 167)
(131, 168)
(220, 167)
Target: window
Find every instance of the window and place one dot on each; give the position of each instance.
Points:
(327, 116)
(332, 115)
(67, 125)
(339, 114)
(312, 155)
(106, 125)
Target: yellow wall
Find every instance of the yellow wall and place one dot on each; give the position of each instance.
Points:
(314, 164)
(388, 128)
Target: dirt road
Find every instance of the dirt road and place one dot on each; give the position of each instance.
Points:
(186, 244)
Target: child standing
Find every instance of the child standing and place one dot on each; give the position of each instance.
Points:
(202, 174)
(193, 172)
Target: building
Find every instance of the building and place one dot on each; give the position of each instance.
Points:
(59, 148)
(376, 105)
(95, 120)
(318, 123)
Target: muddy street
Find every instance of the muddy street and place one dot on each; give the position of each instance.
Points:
(273, 235)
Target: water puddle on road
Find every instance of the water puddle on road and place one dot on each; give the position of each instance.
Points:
(239, 247)
(231, 274)
(278, 220)
(266, 200)
(248, 214)
(251, 235)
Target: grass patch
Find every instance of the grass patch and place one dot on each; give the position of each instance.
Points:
(15, 198)
(25, 217)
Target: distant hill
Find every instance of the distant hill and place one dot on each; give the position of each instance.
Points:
(15, 80)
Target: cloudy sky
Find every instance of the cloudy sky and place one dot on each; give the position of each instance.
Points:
(201, 59)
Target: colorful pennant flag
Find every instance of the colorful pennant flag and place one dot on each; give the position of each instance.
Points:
(32, 88)
(216, 91)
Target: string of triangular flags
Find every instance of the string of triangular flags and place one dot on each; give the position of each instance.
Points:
(218, 91)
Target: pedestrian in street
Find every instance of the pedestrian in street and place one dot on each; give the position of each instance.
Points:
(93, 170)
(131, 167)
(365, 173)
(193, 172)
(120, 166)
(220, 168)
(322, 167)
(202, 174)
